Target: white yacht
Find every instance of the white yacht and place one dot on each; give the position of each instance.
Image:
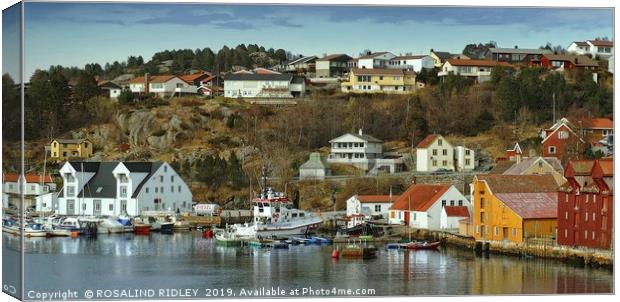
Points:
(274, 216)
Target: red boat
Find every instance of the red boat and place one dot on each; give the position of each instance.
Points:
(142, 229)
(423, 245)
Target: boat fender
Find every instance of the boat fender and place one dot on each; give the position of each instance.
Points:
(335, 254)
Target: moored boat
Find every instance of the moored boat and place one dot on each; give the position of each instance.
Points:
(227, 237)
(423, 245)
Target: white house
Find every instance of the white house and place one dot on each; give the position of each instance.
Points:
(370, 205)
(162, 85)
(451, 217)
(464, 159)
(415, 63)
(421, 205)
(479, 70)
(113, 90)
(332, 66)
(302, 65)
(263, 85)
(115, 188)
(375, 60)
(434, 153)
(39, 192)
(362, 151)
(314, 168)
(594, 48)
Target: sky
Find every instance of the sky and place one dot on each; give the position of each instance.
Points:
(74, 34)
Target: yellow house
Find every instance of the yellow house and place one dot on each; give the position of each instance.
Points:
(64, 149)
(365, 80)
(514, 208)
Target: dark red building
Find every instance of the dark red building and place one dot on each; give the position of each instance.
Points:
(566, 62)
(562, 141)
(585, 204)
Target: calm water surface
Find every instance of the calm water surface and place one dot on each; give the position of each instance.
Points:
(185, 260)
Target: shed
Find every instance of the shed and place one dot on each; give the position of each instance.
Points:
(314, 168)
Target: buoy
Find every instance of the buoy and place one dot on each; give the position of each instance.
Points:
(75, 234)
(335, 254)
(207, 234)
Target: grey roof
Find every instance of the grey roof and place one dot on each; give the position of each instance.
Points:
(302, 60)
(444, 55)
(257, 77)
(70, 141)
(526, 163)
(103, 183)
(366, 137)
(315, 162)
(520, 50)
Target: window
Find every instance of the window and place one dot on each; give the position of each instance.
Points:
(377, 208)
(593, 216)
(124, 206)
(481, 217)
(514, 232)
(482, 203)
(69, 177)
(165, 168)
(434, 151)
(467, 152)
(83, 207)
(171, 188)
(97, 205)
(123, 178)
(434, 163)
(451, 203)
(157, 85)
(381, 78)
(123, 191)
(460, 203)
(70, 191)
(156, 189)
(111, 207)
(444, 151)
(439, 142)
(444, 163)
(563, 134)
(415, 216)
(585, 234)
(551, 149)
(179, 189)
(33, 187)
(593, 235)
(467, 162)
(496, 230)
(565, 233)
(566, 215)
(443, 203)
(477, 229)
(179, 85)
(363, 78)
(146, 190)
(161, 189)
(161, 178)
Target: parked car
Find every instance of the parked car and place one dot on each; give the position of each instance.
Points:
(441, 171)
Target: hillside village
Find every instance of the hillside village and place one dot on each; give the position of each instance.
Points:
(488, 144)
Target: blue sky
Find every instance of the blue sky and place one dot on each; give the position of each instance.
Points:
(73, 34)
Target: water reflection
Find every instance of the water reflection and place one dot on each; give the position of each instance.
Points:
(188, 260)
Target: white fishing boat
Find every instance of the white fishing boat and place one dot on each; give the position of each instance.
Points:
(30, 229)
(228, 237)
(275, 216)
(110, 225)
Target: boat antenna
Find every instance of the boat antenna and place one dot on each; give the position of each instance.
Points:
(264, 178)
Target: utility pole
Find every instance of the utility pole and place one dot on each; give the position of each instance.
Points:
(554, 108)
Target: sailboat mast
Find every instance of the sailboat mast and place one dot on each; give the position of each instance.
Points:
(409, 221)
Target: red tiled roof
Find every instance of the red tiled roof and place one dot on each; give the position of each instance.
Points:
(376, 198)
(486, 63)
(419, 197)
(152, 79)
(456, 211)
(192, 77)
(261, 70)
(599, 123)
(531, 205)
(427, 141)
(30, 178)
(602, 43)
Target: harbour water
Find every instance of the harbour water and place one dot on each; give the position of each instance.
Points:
(188, 261)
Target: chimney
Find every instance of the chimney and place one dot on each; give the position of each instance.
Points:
(146, 83)
(369, 52)
(516, 46)
(360, 131)
(432, 50)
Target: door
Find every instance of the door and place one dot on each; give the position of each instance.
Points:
(406, 218)
(97, 207)
(505, 234)
(157, 201)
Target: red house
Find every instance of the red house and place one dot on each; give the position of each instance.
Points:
(585, 204)
(562, 141)
(566, 62)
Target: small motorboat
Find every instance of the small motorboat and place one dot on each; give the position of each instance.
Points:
(423, 245)
(227, 237)
(126, 223)
(322, 240)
